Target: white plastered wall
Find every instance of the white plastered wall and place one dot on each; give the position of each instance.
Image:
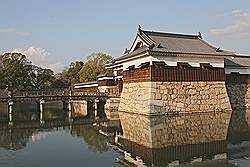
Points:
(194, 61)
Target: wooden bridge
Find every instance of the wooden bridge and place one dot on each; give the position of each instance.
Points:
(50, 95)
(42, 96)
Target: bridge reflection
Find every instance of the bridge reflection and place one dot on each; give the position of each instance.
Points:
(16, 138)
(27, 127)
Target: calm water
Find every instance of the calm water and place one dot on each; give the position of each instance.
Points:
(59, 142)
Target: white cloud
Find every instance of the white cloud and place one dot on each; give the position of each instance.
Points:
(56, 67)
(17, 50)
(13, 30)
(40, 57)
(240, 13)
(37, 55)
(23, 33)
(6, 30)
(239, 27)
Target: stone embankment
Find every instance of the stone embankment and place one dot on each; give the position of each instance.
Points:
(239, 95)
(170, 113)
(80, 108)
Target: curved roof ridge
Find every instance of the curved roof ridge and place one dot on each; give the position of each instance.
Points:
(146, 35)
(169, 34)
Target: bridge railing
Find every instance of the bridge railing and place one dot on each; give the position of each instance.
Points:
(47, 92)
(53, 95)
(87, 93)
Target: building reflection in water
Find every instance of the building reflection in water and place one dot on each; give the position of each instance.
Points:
(137, 154)
(102, 138)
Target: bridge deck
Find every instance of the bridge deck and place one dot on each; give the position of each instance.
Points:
(52, 98)
(63, 95)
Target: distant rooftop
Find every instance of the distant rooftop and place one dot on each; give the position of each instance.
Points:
(86, 83)
(238, 61)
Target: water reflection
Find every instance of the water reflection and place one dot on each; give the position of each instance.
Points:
(15, 139)
(135, 153)
(80, 139)
(26, 126)
(96, 142)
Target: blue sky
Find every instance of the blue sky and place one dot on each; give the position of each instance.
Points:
(52, 33)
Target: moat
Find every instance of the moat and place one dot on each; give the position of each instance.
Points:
(85, 142)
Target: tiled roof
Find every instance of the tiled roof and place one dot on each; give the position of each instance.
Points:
(240, 61)
(181, 43)
(174, 43)
(134, 53)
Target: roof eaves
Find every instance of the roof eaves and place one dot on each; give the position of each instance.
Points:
(194, 53)
(230, 63)
(131, 54)
(85, 83)
(213, 47)
(242, 56)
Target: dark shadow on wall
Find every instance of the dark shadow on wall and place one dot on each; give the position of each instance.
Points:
(237, 88)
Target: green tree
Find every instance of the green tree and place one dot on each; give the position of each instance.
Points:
(94, 66)
(70, 75)
(1, 74)
(18, 73)
(96, 142)
(60, 83)
(44, 78)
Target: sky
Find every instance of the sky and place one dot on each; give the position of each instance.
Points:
(53, 33)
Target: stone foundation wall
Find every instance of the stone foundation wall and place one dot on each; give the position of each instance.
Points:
(80, 108)
(111, 108)
(135, 97)
(189, 97)
(160, 114)
(239, 95)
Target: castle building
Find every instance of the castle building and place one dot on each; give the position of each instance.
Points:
(172, 89)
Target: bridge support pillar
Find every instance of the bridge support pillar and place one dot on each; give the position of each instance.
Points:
(70, 110)
(10, 111)
(42, 102)
(90, 111)
(96, 108)
(65, 105)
